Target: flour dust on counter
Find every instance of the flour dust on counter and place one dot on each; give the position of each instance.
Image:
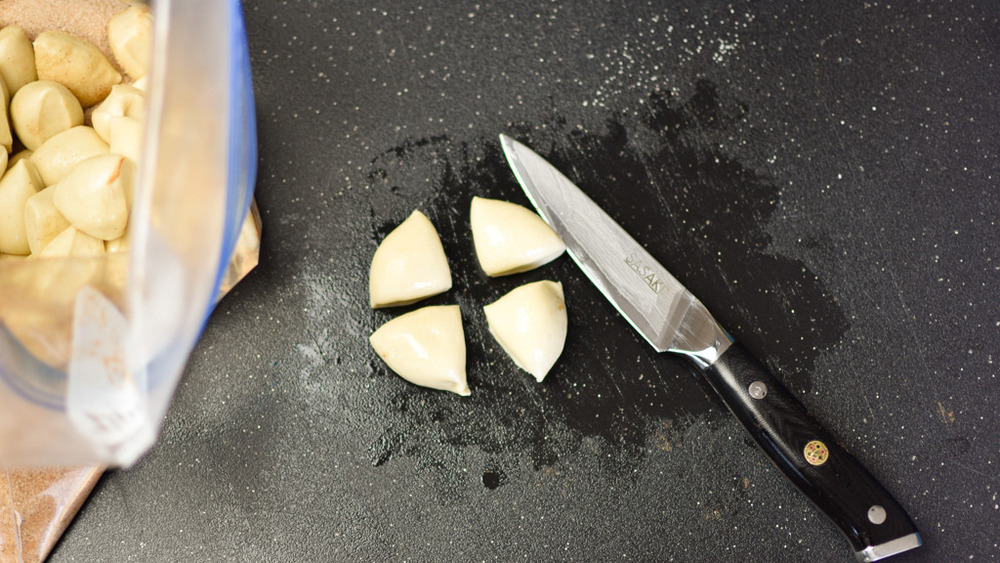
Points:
(680, 194)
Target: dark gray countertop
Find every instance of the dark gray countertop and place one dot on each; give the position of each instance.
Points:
(823, 175)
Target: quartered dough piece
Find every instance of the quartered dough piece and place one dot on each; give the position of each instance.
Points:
(42, 221)
(75, 63)
(126, 138)
(42, 109)
(426, 347)
(73, 242)
(63, 151)
(124, 100)
(17, 58)
(130, 34)
(409, 264)
(94, 198)
(510, 238)
(17, 187)
(530, 324)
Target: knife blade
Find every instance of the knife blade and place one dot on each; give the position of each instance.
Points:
(673, 320)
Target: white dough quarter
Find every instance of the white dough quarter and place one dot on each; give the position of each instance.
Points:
(509, 238)
(124, 100)
(73, 242)
(409, 264)
(130, 35)
(58, 155)
(17, 58)
(17, 187)
(41, 109)
(42, 221)
(126, 138)
(75, 63)
(530, 324)
(426, 347)
(93, 197)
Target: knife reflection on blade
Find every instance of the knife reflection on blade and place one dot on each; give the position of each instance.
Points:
(671, 319)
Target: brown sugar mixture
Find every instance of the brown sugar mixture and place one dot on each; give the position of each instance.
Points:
(36, 506)
(86, 18)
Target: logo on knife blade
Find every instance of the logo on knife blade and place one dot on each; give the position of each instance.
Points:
(645, 272)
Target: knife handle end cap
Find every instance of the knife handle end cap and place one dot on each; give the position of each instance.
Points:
(890, 548)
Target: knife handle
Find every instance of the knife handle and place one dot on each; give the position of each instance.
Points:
(811, 458)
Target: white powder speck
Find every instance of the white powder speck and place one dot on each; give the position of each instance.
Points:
(725, 48)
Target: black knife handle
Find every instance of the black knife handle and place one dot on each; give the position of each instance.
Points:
(811, 458)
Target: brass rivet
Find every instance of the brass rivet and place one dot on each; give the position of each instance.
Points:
(816, 452)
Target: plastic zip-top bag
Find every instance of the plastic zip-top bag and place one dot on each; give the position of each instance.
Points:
(92, 347)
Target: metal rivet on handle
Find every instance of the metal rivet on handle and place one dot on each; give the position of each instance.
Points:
(816, 453)
(757, 390)
(876, 514)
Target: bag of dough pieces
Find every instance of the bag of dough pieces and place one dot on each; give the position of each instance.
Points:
(99, 310)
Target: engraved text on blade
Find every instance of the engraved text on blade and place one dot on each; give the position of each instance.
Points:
(644, 272)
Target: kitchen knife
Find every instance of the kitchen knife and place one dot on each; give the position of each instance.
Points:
(671, 319)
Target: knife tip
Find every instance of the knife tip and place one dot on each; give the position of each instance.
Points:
(507, 145)
(511, 147)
